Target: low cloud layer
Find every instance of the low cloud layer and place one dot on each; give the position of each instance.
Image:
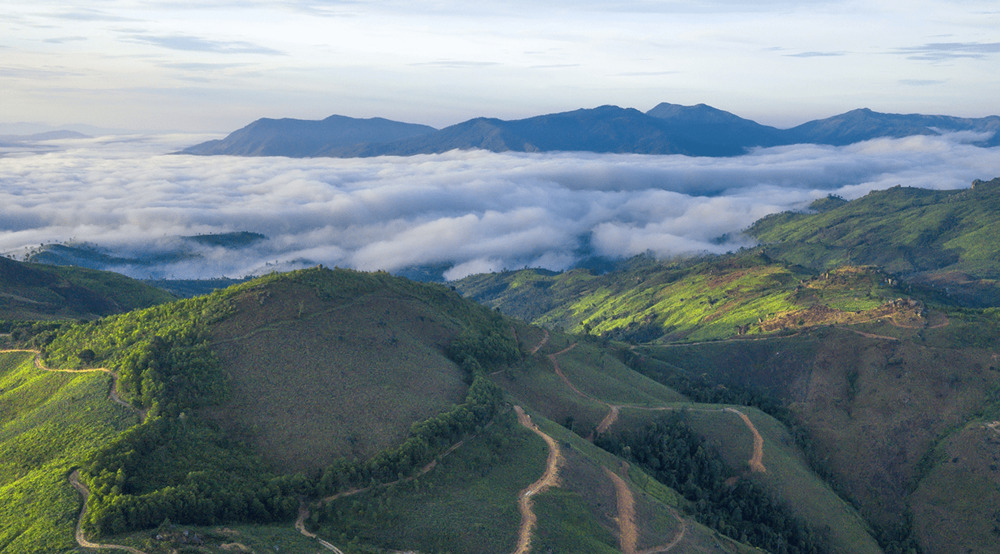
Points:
(464, 212)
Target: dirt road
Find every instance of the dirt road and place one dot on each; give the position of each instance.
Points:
(113, 395)
(74, 479)
(541, 343)
(757, 458)
(548, 479)
(300, 521)
(628, 533)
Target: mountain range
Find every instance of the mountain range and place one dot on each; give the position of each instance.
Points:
(698, 130)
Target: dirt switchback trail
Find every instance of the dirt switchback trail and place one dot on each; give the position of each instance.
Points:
(757, 458)
(300, 524)
(74, 479)
(548, 479)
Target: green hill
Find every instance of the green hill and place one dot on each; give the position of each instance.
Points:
(713, 298)
(875, 406)
(946, 239)
(31, 291)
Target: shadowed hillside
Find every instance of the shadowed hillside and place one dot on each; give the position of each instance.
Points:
(31, 291)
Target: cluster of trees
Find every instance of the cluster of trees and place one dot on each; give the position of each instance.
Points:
(678, 457)
(181, 469)
(474, 350)
(161, 354)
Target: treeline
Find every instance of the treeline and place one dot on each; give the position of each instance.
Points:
(474, 350)
(177, 469)
(676, 456)
(161, 354)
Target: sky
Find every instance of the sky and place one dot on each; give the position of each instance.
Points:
(464, 211)
(215, 65)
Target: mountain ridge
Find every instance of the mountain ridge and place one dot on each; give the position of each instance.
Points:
(699, 130)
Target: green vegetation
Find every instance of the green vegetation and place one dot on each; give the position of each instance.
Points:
(756, 397)
(948, 239)
(467, 504)
(705, 299)
(40, 292)
(49, 424)
(681, 459)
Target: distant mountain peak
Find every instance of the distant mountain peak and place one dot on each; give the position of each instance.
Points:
(698, 130)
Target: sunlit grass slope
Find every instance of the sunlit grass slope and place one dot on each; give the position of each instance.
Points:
(49, 424)
(709, 299)
(942, 237)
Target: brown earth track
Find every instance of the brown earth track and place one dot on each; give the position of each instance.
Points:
(548, 479)
(541, 343)
(993, 426)
(113, 395)
(300, 521)
(628, 533)
(757, 459)
(673, 542)
(74, 479)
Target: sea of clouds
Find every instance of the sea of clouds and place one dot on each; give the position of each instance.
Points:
(465, 211)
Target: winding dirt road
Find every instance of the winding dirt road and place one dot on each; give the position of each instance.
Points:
(541, 343)
(548, 479)
(74, 479)
(300, 521)
(113, 394)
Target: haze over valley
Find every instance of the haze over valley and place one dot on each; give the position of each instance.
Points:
(122, 203)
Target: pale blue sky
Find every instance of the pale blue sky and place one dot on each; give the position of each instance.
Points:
(216, 65)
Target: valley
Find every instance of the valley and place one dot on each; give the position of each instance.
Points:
(781, 398)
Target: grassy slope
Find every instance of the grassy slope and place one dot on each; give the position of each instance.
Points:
(49, 423)
(873, 406)
(955, 504)
(38, 291)
(315, 379)
(790, 479)
(468, 503)
(934, 235)
(692, 301)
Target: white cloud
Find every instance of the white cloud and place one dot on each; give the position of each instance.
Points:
(465, 211)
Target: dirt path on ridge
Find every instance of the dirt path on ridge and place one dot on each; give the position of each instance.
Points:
(674, 542)
(993, 426)
(300, 525)
(548, 479)
(628, 533)
(756, 458)
(74, 479)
